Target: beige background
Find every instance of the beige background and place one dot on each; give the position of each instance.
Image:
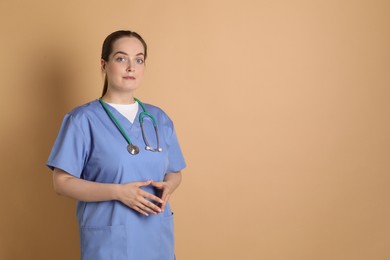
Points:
(282, 110)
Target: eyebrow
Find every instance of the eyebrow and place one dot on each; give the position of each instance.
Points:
(124, 53)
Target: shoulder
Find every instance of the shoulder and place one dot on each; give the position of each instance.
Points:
(157, 112)
(84, 115)
(164, 122)
(85, 111)
(153, 109)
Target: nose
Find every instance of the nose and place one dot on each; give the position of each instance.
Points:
(130, 66)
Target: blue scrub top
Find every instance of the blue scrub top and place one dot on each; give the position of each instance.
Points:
(89, 146)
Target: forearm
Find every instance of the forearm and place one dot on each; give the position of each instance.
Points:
(83, 190)
(173, 180)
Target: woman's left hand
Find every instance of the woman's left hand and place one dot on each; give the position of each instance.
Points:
(166, 192)
(167, 187)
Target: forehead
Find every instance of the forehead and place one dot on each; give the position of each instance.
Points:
(129, 45)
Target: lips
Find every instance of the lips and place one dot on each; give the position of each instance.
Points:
(129, 77)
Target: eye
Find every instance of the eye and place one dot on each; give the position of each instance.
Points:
(140, 61)
(120, 59)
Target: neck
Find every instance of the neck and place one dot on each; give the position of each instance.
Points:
(118, 98)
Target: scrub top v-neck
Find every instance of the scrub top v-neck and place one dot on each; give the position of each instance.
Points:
(89, 146)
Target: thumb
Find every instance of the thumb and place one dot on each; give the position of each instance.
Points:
(158, 185)
(144, 183)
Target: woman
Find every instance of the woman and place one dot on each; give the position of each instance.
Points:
(99, 160)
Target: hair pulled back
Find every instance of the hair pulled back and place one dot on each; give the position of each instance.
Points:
(109, 42)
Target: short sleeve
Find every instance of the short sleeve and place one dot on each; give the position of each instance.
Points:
(176, 160)
(69, 152)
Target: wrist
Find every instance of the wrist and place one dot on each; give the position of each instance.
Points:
(116, 191)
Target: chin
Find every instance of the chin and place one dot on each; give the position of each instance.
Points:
(130, 88)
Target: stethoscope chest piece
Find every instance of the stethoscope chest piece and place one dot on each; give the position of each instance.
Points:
(133, 149)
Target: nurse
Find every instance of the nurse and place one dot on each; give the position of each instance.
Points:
(122, 161)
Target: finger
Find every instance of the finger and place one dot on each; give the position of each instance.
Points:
(150, 207)
(152, 197)
(165, 192)
(138, 209)
(143, 183)
(165, 202)
(158, 185)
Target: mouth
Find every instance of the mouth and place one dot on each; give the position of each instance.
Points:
(129, 78)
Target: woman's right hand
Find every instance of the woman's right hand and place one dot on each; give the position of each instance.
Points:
(129, 194)
(134, 197)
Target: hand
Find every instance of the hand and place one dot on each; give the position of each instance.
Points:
(166, 192)
(134, 197)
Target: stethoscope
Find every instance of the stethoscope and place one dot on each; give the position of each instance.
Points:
(131, 148)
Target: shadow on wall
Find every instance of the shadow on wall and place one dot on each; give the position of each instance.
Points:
(33, 225)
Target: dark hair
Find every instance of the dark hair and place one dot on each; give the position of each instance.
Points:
(109, 42)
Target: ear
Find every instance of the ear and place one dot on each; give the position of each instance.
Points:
(103, 65)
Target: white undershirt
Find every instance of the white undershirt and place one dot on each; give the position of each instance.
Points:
(127, 110)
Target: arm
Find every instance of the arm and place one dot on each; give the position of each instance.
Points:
(129, 194)
(168, 186)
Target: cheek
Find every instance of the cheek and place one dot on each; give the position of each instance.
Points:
(141, 70)
(113, 70)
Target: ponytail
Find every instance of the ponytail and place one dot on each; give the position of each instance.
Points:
(105, 87)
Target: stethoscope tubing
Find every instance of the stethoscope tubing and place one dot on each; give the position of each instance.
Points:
(143, 114)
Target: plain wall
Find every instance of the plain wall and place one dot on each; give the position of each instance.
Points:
(281, 107)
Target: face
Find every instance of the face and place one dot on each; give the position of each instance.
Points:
(125, 66)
